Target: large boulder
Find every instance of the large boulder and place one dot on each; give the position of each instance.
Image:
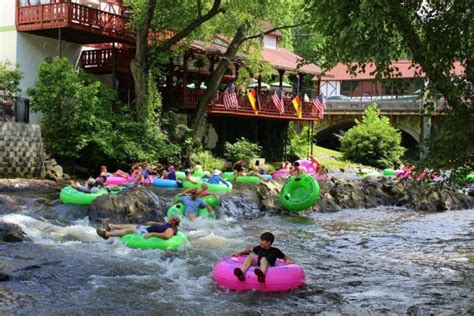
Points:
(268, 193)
(11, 232)
(136, 205)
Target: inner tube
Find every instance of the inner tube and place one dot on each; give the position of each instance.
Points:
(470, 177)
(210, 199)
(113, 180)
(281, 277)
(200, 173)
(165, 183)
(391, 172)
(307, 165)
(178, 209)
(139, 242)
(221, 187)
(241, 179)
(299, 193)
(189, 184)
(69, 195)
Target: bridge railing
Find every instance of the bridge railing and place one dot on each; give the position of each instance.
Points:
(392, 105)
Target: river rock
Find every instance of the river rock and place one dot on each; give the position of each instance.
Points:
(11, 232)
(340, 193)
(136, 205)
(33, 185)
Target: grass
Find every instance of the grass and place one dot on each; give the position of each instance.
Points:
(332, 159)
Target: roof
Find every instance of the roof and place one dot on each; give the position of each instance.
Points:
(405, 67)
(281, 58)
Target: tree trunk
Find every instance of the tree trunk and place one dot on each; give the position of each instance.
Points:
(216, 78)
(140, 65)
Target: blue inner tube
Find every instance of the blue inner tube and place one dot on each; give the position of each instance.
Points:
(165, 183)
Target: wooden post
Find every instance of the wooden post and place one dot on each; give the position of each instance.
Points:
(281, 72)
(59, 38)
(185, 74)
(114, 66)
(259, 88)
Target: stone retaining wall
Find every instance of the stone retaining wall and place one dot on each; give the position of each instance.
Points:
(21, 150)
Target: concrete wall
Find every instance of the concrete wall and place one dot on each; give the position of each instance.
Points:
(21, 150)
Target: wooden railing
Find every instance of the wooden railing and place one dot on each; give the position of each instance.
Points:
(67, 14)
(102, 59)
(189, 99)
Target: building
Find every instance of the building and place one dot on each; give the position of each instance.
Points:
(339, 83)
(93, 34)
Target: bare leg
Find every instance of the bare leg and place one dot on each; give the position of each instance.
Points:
(123, 226)
(264, 265)
(247, 263)
(119, 233)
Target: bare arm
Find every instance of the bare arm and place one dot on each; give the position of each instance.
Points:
(167, 234)
(245, 252)
(211, 211)
(288, 260)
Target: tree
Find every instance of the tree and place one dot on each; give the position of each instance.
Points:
(435, 34)
(170, 22)
(243, 23)
(373, 141)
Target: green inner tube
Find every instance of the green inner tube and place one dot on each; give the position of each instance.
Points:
(389, 172)
(221, 187)
(210, 199)
(189, 184)
(242, 179)
(470, 177)
(299, 193)
(69, 195)
(139, 242)
(200, 174)
(178, 209)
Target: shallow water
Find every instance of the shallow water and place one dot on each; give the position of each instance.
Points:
(383, 260)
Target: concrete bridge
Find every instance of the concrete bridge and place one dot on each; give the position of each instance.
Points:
(405, 114)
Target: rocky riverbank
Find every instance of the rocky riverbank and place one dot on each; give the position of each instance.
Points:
(40, 199)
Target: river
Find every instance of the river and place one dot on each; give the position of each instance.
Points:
(357, 262)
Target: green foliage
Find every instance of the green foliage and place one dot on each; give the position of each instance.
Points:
(383, 31)
(373, 141)
(208, 161)
(10, 78)
(298, 142)
(242, 149)
(83, 121)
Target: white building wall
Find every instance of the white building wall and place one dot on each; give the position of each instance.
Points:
(31, 51)
(7, 13)
(330, 88)
(270, 41)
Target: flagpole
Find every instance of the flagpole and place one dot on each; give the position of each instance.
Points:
(311, 144)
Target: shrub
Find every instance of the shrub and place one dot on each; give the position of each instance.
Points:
(242, 149)
(373, 141)
(298, 142)
(84, 122)
(10, 78)
(208, 161)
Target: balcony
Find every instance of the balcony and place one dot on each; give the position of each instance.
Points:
(78, 23)
(189, 98)
(100, 61)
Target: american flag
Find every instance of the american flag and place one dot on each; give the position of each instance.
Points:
(318, 106)
(278, 101)
(230, 98)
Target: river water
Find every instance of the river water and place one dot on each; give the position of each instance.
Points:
(357, 262)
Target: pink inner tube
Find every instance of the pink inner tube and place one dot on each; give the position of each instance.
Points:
(308, 165)
(281, 277)
(113, 180)
(281, 173)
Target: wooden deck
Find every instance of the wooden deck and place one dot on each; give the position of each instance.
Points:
(79, 23)
(189, 99)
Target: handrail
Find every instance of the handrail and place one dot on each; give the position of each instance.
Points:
(69, 14)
